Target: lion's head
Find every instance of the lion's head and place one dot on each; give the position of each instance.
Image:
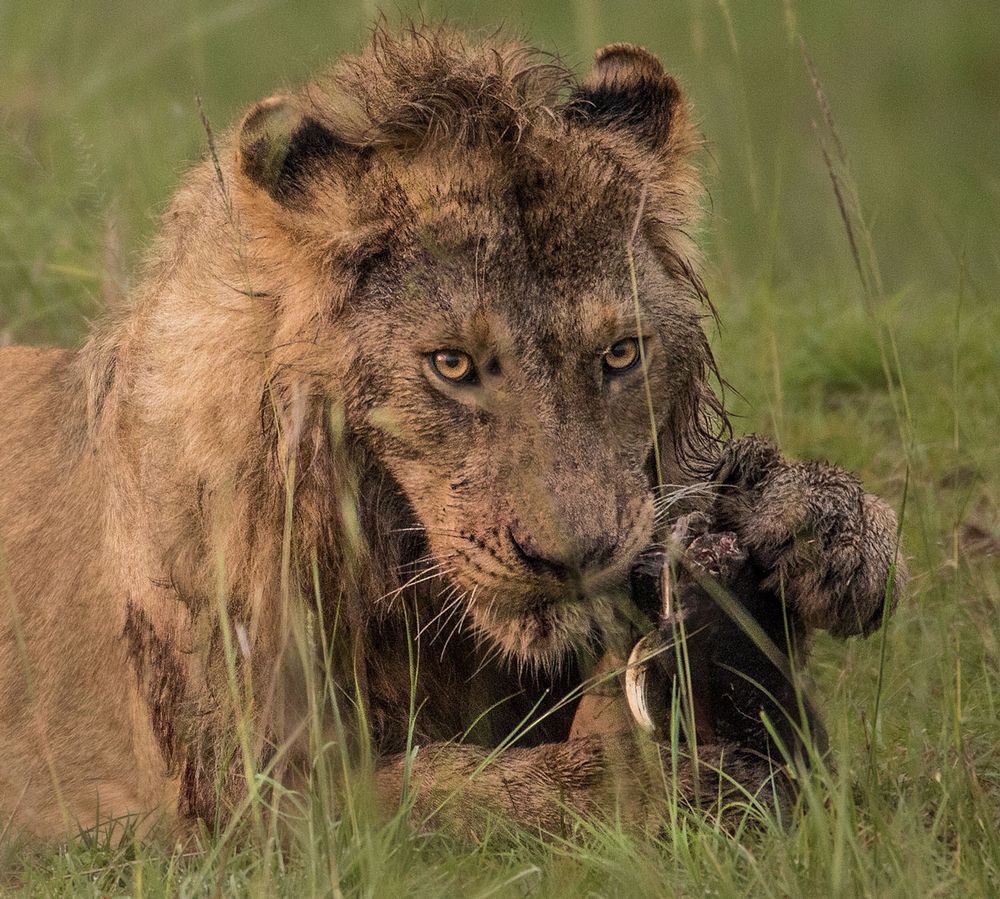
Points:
(503, 291)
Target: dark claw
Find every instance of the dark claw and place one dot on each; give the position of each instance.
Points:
(646, 581)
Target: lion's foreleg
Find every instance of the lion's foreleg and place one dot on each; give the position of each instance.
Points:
(463, 788)
(549, 788)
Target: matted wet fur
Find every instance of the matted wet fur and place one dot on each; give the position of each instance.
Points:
(260, 439)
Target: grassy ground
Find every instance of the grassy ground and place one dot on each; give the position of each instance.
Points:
(887, 363)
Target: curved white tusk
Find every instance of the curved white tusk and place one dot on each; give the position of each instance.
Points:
(636, 691)
(635, 683)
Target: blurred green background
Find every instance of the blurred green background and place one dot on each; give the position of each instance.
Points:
(98, 115)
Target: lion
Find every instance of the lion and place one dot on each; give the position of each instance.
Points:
(416, 367)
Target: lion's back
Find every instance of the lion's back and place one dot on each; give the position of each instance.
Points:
(58, 666)
(33, 422)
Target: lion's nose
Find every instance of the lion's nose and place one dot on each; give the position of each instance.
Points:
(565, 562)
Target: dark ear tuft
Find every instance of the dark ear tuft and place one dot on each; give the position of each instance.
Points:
(627, 90)
(278, 146)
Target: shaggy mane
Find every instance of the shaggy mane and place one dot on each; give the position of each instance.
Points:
(426, 85)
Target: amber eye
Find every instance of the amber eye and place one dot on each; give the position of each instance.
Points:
(622, 356)
(453, 365)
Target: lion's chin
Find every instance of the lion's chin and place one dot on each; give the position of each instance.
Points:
(544, 635)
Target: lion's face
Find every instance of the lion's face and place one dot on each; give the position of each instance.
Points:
(505, 375)
(521, 338)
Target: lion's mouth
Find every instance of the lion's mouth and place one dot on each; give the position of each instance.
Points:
(541, 629)
(536, 605)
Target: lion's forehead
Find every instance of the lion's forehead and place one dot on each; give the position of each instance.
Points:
(558, 208)
(481, 258)
(530, 255)
(485, 302)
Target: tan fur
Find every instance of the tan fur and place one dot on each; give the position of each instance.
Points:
(261, 413)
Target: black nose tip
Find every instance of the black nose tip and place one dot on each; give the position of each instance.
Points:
(564, 565)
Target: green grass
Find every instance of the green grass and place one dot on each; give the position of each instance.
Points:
(99, 117)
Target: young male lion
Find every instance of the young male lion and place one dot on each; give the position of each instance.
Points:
(414, 353)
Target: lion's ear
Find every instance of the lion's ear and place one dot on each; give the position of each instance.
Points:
(627, 90)
(279, 145)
